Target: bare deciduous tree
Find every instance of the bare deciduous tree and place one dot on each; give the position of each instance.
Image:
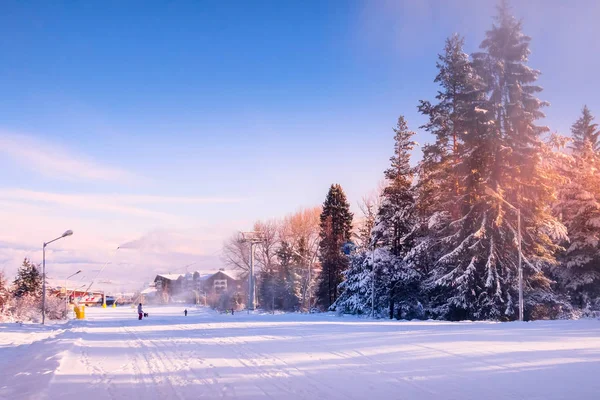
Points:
(301, 231)
(236, 254)
(369, 207)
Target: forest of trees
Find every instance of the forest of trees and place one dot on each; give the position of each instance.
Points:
(442, 238)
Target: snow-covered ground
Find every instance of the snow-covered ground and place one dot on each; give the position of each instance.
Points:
(206, 355)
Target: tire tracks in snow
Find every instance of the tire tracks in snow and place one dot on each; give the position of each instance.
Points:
(156, 368)
(182, 363)
(313, 388)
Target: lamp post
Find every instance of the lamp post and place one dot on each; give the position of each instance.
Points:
(493, 193)
(253, 238)
(373, 282)
(67, 291)
(67, 233)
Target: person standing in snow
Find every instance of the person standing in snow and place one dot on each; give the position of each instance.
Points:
(140, 312)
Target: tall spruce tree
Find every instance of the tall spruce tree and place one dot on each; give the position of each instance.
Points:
(517, 175)
(579, 207)
(335, 231)
(396, 281)
(447, 249)
(356, 287)
(475, 274)
(28, 280)
(440, 187)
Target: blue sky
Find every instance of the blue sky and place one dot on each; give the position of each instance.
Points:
(184, 121)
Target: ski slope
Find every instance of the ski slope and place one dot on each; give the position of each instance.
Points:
(206, 355)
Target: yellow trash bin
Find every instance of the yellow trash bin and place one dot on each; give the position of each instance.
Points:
(80, 312)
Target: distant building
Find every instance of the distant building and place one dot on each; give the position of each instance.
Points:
(191, 287)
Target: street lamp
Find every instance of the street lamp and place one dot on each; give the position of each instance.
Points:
(493, 193)
(253, 238)
(67, 291)
(67, 233)
(373, 282)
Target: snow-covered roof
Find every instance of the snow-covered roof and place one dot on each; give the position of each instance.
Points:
(229, 275)
(203, 276)
(207, 276)
(171, 277)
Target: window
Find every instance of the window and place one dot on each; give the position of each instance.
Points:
(220, 285)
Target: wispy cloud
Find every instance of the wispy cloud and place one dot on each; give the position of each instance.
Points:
(111, 203)
(56, 161)
(107, 204)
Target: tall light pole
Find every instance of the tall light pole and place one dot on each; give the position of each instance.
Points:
(67, 291)
(373, 282)
(493, 193)
(67, 233)
(253, 238)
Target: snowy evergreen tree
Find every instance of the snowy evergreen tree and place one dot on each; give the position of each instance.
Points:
(518, 174)
(355, 290)
(396, 282)
(439, 184)
(28, 280)
(475, 274)
(355, 297)
(335, 231)
(579, 207)
(450, 216)
(586, 142)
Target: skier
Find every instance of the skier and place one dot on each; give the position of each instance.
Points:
(185, 312)
(140, 312)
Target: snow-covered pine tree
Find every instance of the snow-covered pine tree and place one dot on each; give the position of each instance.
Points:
(396, 282)
(28, 281)
(586, 141)
(475, 274)
(335, 231)
(579, 207)
(456, 163)
(439, 177)
(517, 175)
(356, 288)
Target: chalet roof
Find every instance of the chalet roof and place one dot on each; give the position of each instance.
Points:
(170, 277)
